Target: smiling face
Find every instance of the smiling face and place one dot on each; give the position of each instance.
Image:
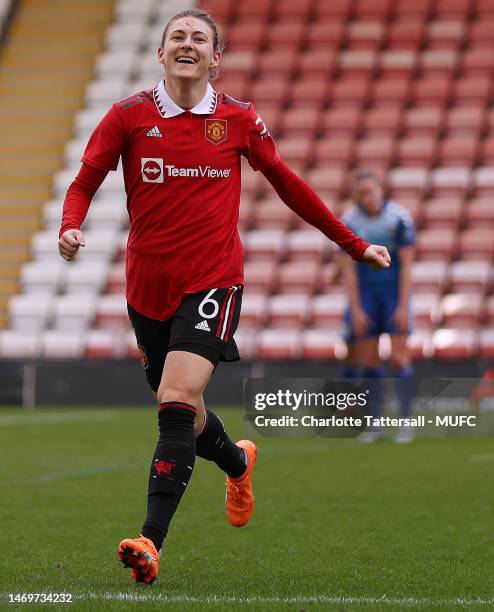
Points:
(188, 50)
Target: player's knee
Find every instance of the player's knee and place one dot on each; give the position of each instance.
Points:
(173, 393)
(399, 360)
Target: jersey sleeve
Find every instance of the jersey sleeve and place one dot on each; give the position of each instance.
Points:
(261, 151)
(107, 142)
(406, 229)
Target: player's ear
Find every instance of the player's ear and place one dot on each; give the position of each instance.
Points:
(215, 60)
(161, 56)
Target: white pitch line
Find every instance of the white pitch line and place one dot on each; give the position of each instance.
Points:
(54, 418)
(224, 599)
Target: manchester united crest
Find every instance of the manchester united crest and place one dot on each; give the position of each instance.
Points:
(216, 131)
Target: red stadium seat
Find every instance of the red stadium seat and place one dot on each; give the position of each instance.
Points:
(417, 9)
(325, 35)
(337, 151)
(470, 276)
(350, 92)
(409, 182)
(310, 92)
(379, 10)
(100, 344)
(455, 344)
(238, 64)
(392, 92)
(474, 90)
(458, 151)
(462, 310)
(336, 10)
(418, 152)
(382, 122)
(111, 312)
(480, 34)
(300, 277)
(246, 35)
(246, 9)
(293, 9)
(265, 244)
(429, 277)
(365, 35)
(278, 63)
(431, 91)
(435, 63)
(343, 122)
(454, 9)
(322, 344)
(246, 213)
(487, 152)
(406, 35)
(328, 182)
(445, 34)
(480, 213)
(483, 180)
(375, 151)
(326, 311)
(235, 86)
(465, 120)
(307, 245)
(443, 213)
(425, 121)
(450, 182)
(278, 344)
(477, 62)
(296, 149)
(316, 63)
(286, 311)
(489, 310)
(260, 276)
(436, 244)
(272, 214)
(222, 10)
(476, 244)
(420, 344)
(116, 279)
(397, 64)
(426, 309)
(253, 309)
(484, 8)
(271, 93)
(356, 64)
(301, 122)
(486, 343)
(286, 34)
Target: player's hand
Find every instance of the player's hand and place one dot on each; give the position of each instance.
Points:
(400, 318)
(69, 243)
(377, 257)
(360, 322)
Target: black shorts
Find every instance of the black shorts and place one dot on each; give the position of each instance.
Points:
(203, 324)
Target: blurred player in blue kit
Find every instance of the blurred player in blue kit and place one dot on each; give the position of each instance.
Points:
(380, 303)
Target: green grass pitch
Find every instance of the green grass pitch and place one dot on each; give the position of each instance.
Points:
(338, 525)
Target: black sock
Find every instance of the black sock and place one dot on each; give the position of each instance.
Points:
(171, 468)
(214, 444)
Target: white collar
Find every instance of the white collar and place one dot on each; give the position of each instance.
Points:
(167, 107)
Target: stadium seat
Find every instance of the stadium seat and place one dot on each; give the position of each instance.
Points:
(356, 64)
(326, 311)
(365, 35)
(131, 349)
(307, 245)
(406, 35)
(30, 313)
(111, 312)
(486, 343)
(115, 63)
(335, 11)
(273, 214)
(480, 33)
(431, 91)
(246, 9)
(293, 9)
(416, 152)
(487, 152)
(308, 92)
(462, 310)
(238, 64)
(116, 279)
(232, 85)
(419, 9)
(317, 63)
(246, 34)
(324, 35)
(480, 213)
(469, 120)
(420, 344)
(450, 182)
(378, 10)
(426, 311)
(489, 310)
(285, 311)
(265, 244)
(301, 122)
(445, 34)
(129, 35)
(322, 344)
(278, 63)
(382, 122)
(19, 345)
(270, 93)
(477, 62)
(86, 120)
(411, 182)
(458, 151)
(278, 344)
(328, 182)
(476, 244)
(483, 182)
(454, 9)
(372, 151)
(423, 121)
(344, 122)
(455, 344)
(442, 213)
(74, 312)
(390, 92)
(438, 63)
(62, 344)
(101, 344)
(334, 152)
(349, 92)
(253, 309)
(484, 9)
(299, 277)
(436, 244)
(260, 276)
(401, 63)
(295, 149)
(286, 34)
(475, 90)
(470, 276)
(42, 277)
(246, 342)
(429, 277)
(85, 277)
(103, 93)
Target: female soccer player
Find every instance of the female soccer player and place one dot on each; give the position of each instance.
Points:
(180, 145)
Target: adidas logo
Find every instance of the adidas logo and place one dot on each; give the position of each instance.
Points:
(203, 325)
(155, 131)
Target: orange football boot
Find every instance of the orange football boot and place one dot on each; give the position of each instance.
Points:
(140, 555)
(239, 495)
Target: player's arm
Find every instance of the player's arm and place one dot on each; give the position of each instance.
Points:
(75, 207)
(405, 255)
(305, 202)
(360, 320)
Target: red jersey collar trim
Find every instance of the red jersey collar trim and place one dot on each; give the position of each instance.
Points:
(167, 107)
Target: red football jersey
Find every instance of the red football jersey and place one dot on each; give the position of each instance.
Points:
(182, 178)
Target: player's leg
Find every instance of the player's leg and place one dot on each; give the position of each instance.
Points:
(404, 376)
